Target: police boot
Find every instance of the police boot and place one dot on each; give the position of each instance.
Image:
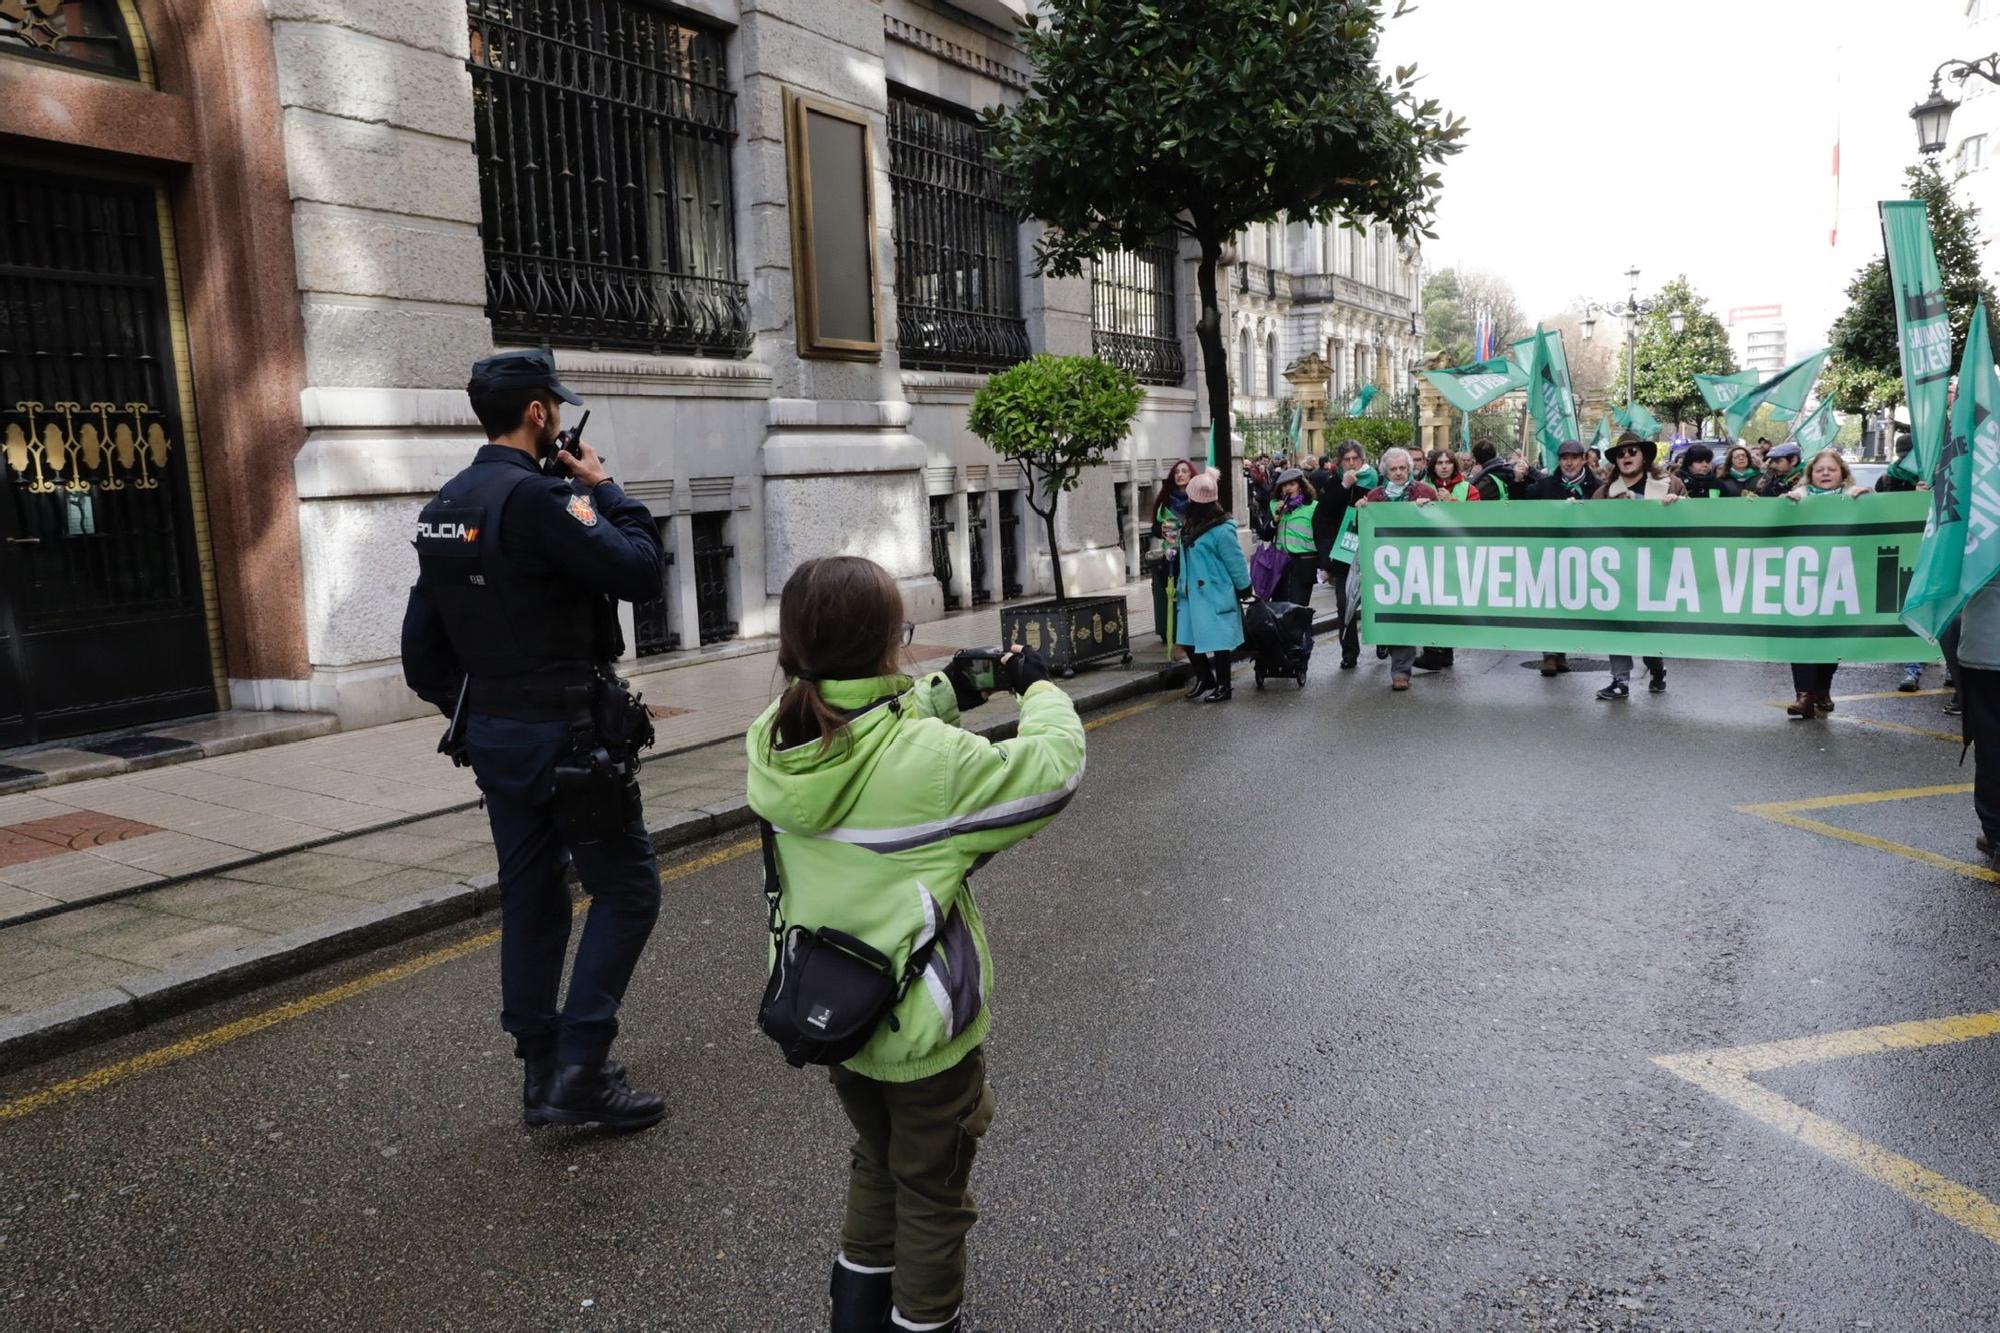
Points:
(592, 1095)
(860, 1298)
(538, 1068)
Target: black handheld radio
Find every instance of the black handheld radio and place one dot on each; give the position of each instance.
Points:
(565, 443)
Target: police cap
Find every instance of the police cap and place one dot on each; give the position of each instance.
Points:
(533, 369)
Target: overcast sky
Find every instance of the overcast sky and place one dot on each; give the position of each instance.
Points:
(1688, 136)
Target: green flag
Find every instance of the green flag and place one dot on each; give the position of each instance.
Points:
(1550, 407)
(1961, 549)
(1601, 439)
(1294, 420)
(1639, 421)
(1785, 392)
(1817, 431)
(1361, 400)
(1471, 387)
(1719, 391)
(1922, 328)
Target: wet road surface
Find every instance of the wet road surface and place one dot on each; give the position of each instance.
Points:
(1319, 1009)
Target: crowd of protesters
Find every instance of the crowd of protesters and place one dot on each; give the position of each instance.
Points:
(1305, 508)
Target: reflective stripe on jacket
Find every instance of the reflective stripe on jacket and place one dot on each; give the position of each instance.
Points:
(876, 836)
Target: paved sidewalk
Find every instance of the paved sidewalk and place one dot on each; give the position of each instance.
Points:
(284, 858)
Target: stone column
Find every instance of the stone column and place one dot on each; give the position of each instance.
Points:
(377, 108)
(842, 473)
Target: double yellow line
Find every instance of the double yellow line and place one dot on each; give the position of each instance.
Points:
(161, 1057)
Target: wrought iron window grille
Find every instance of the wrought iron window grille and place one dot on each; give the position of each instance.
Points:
(711, 578)
(1132, 321)
(87, 34)
(652, 630)
(941, 548)
(958, 266)
(603, 129)
(1010, 544)
(975, 524)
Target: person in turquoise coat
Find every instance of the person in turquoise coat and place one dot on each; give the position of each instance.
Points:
(1214, 580)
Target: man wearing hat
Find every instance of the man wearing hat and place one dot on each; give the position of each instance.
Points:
(1634, 478)
(512, 628)
(1782, 471)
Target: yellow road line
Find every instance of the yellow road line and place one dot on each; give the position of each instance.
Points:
(1887, 694)
(1881, 725)
(1919, 1184)
(1123, 713)
(1771, 808)
(162, 1056)
(1869, 840)
(1768, 1055)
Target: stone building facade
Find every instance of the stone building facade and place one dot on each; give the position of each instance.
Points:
(326, 210)
(1351, 295)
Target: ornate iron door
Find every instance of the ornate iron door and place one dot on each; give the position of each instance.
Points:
(101, 613)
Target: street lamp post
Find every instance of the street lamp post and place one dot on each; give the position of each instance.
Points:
(1628, 316)
(1933, 114)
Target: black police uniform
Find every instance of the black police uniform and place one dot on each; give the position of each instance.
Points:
(519, 577)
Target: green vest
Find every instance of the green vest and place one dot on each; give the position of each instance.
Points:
(1295, 529)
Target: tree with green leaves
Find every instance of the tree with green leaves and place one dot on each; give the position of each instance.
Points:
(1452, 301)
(1865, 372)
(1055, 416)
(1667, 361)
(1202, 117)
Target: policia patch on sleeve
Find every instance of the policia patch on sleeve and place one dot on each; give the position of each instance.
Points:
(582, 510)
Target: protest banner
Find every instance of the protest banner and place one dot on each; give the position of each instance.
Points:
(1762, 581)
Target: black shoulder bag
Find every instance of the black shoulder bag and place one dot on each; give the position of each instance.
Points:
(828, 990)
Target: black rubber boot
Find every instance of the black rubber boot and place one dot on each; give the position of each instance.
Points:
(592, 1095)
(860, 1300)
(951, 1325)
(538, 1066)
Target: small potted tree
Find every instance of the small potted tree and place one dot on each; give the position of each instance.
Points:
(1056, 416)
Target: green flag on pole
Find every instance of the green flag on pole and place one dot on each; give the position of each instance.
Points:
(1785, 392)
(1601, 439)
(1719, 391)
(1922, 329)
(1961, 550)
(1817, 431)
(1294, 422)
(1550, 407)
(1471, 387)
(1638, 420)
(1211, 444)
(1361, 400)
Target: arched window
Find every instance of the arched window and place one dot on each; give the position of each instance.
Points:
(1243, 379)
(1271, 365)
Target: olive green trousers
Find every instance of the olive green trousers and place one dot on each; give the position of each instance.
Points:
(909, 1197)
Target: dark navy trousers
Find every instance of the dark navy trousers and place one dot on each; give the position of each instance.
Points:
(514, 762)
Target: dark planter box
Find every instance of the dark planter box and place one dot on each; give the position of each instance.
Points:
(1070, 634)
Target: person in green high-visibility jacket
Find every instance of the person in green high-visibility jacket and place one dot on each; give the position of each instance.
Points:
(1292, 510)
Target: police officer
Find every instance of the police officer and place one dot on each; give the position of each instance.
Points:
(512, 627)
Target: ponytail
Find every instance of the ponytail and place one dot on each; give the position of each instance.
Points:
(803, 715)
(840, 617)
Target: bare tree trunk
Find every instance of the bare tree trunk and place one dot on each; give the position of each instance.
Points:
(1215, 362)
(1048, 517)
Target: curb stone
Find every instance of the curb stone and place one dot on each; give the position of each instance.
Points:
(138, 1002)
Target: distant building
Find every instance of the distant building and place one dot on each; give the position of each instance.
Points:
(1757, 337)
(1975, 126)
(1350, 294)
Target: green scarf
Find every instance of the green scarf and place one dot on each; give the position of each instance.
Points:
(1744, 475)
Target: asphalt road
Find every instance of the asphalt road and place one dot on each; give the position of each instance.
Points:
(1320, 1009)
